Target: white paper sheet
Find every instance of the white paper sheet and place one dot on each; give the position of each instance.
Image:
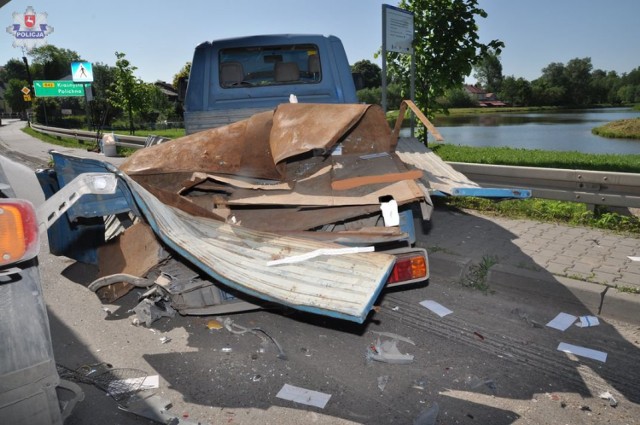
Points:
(436, 307)
(588, 321)
(634, 258)
(562, 321)
(601, 356)
(303, 396)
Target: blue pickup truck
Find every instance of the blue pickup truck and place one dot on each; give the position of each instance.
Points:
(233, 79)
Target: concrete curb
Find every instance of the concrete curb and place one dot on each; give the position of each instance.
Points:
(543, 287)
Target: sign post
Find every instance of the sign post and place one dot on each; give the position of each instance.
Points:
(397, 36)
(82, 72)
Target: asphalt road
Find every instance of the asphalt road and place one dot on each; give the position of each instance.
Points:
(491, 361)
(486, 363)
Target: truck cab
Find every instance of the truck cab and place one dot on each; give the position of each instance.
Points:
(232, 79)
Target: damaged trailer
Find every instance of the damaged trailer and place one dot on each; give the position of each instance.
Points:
(307, 206)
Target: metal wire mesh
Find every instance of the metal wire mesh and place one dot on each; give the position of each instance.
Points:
(119, 383)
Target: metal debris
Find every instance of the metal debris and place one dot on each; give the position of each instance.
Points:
(260, 333)
(149, 310)
(386, 350)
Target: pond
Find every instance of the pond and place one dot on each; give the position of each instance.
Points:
(555, 131)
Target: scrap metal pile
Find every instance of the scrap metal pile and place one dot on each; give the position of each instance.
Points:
(284, 207)
(297, 168)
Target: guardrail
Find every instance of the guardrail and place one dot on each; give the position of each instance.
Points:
(588, 187)
(135, 142)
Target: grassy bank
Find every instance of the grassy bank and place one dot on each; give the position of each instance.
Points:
(621, 129)
(539, 158)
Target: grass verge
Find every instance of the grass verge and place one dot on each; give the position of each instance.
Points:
(571, 213)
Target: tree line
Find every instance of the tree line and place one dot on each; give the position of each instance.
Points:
(119, 98)
(574, 84)
(447, 50)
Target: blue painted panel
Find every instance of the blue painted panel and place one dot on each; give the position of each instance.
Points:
(68, 167)
(490, 192)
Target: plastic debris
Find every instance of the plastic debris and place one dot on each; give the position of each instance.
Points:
(382, 382)
(633, 258)
(436, 307)
(165, 339)
(608, 396)
(428, 416)
(386, 350)
(214, 325)
(588, 321)
(321, 252)
(303, 396)
(148, 310)
(265, 337)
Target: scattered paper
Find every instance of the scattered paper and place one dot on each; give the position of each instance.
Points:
(583, 351)
(562, 321)
(303, 396)
(436, 307)
(588, 321)
(634, 258)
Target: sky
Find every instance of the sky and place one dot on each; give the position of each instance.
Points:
(159, 37)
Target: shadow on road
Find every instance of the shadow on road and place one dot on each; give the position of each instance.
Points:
(492, 361)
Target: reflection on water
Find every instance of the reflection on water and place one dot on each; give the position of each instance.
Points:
(561, 131)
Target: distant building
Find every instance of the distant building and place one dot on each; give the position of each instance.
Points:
(168, 90)
(483, 98)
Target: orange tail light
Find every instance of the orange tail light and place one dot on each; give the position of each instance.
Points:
(19, 238)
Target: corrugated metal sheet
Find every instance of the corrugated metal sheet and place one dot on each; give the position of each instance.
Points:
(343, 286)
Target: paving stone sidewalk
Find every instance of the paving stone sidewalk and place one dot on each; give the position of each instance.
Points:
(579, 253)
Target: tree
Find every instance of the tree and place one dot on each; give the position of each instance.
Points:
(446, 48)
(13, 69)
(183, 73)
(126, 89)
(370, 73)
(14, 97)
(488, 72)
(52, 63)
(578, 77)
(517, 92)
(102, 111)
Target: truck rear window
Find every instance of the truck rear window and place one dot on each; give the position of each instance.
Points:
(269, 65)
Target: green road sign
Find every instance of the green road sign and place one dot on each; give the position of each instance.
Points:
(57, 88)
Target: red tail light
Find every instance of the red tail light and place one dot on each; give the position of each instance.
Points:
(19, 239)
(409, 267)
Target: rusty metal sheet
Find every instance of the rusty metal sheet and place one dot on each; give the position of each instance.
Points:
(240, 148)
(299, 128)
